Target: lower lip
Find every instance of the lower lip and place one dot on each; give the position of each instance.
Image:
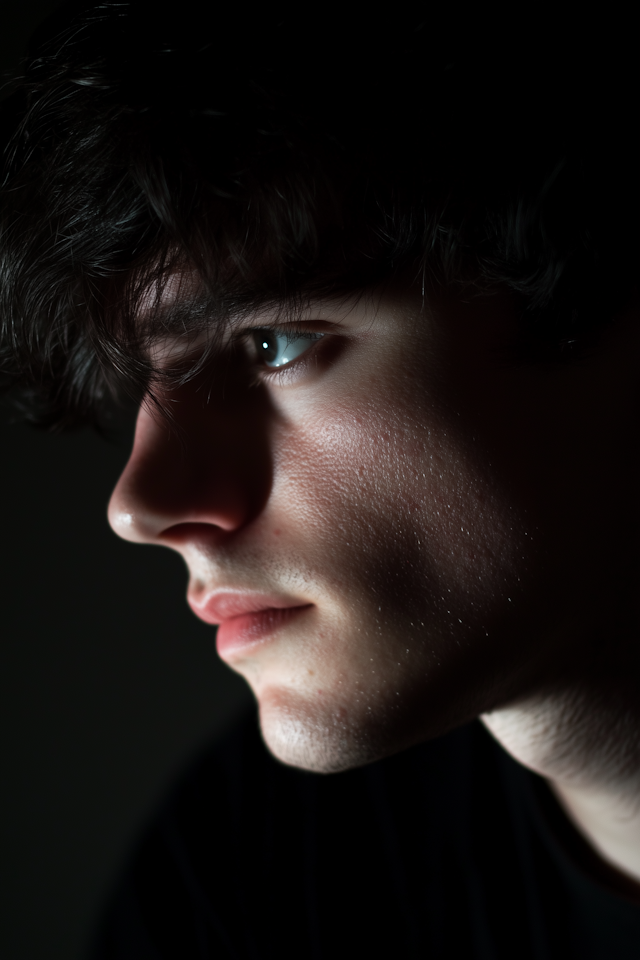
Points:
(239, 634)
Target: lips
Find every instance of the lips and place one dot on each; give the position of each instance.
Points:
(216, 608)
(246, 620)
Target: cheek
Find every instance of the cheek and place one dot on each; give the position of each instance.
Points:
(403, 516)
(400, 532)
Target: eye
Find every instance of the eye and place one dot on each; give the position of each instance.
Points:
(275, 348)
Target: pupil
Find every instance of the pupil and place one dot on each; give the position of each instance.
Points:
(268, 347)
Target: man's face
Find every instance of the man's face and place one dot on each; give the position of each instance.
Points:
(438, 525)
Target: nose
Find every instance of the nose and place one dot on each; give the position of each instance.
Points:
(209, 467)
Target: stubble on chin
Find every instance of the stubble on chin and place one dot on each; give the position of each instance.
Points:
(318, 737)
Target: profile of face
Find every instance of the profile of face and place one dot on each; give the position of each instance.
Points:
(397, 523)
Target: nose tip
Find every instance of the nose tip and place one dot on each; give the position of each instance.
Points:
(214, 480)
(139, 513)
(126, 522)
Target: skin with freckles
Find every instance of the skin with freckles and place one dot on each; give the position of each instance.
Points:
(462, 525)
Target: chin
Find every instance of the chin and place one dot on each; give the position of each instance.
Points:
(317, 737)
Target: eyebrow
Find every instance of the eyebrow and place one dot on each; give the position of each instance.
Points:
(181, 308)
(194, 313)
(184, 313)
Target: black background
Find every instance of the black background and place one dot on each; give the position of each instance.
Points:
(108, 682)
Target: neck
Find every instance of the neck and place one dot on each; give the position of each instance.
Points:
(579, 728)
(611, 828)
(587, 749)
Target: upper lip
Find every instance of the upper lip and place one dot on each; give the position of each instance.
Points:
(223, 605)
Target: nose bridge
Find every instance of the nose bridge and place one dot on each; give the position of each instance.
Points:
(208, 463)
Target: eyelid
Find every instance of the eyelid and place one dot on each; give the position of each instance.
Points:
(288, 329)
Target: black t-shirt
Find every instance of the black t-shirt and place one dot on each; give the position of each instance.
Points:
(449, 849)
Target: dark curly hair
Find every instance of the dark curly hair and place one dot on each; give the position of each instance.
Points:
(285, 155)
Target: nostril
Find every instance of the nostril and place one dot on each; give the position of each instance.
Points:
(143, 511)
(182, 534)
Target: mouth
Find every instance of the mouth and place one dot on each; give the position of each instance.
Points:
(245, 620)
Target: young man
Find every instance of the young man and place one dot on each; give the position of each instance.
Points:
(374, 289)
